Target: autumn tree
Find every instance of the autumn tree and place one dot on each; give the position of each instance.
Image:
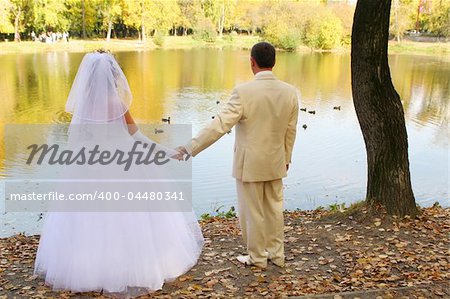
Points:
(219, 12)
(18, 7)
(5, 22)
(50, 15)
(403, 14)
(438, 18)
(379, 110)
(190, 14)
(111, 10)
(82, 16)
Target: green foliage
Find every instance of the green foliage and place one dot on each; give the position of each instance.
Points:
(286, 24)
(337, 207)
(158, 39)
(282, 27)
(282, 36)
(231, 37)
(49, 15)
(205, 31)
(324, 33)
(438, 20)
(218, 213)
(5, 22)
(403, 17)
(289, 23)
(74, 16)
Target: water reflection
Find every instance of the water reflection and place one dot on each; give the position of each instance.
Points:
(329, 157)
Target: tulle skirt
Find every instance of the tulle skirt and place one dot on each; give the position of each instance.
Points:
(120, 253)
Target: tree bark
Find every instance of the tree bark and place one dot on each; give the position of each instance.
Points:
(108, 35)
(397, 26)
(83, 14)
(379, 110)
(222, 20)
(144, 35)
(16, 25)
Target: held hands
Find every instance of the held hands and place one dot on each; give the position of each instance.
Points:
(178, 156)
(181, 152)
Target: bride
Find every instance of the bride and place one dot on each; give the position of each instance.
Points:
(127, 253)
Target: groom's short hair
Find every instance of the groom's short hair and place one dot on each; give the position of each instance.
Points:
(264, 54)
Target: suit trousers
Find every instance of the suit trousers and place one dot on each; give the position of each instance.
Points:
(261, 220)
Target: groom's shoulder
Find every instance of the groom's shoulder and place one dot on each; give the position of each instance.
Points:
(253, 85)
(242, 87)
(286, 85)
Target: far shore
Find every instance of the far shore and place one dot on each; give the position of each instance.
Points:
(187, 42)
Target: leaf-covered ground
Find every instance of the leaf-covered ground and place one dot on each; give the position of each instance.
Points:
(327, 257)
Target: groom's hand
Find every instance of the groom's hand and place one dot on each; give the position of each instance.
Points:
(177, 156)
(182, 150)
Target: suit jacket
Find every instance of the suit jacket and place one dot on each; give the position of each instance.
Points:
(265, 112)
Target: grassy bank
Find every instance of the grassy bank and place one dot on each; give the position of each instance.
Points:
(115, 45)
(423, 48)
(187, 42)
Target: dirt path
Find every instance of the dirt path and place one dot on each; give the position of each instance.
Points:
(327, 257)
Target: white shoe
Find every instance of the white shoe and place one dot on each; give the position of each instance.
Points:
(244, 259)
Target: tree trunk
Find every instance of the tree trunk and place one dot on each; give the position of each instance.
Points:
(397, 27)
(222, 20)
(16, 25)
(144, 36)
(419, 7)
(108, 35)
(379, 110)
(83, 14)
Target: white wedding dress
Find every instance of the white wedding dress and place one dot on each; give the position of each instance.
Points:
(125, 253)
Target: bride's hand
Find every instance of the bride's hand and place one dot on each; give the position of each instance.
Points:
(182, 151)
(178, 156)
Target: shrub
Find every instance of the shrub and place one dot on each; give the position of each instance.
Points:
(158, 39)
(324, 33)
(205, 31)
(231, 37)
(282, 36)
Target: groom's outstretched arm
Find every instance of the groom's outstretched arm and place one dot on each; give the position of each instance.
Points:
(220, 125)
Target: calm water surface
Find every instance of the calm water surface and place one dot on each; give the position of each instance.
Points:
(329, 157)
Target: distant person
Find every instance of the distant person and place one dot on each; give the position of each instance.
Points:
(33, 36)
(17, 37)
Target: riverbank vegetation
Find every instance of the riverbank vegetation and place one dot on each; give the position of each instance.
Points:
(188, 42)
(314, 24)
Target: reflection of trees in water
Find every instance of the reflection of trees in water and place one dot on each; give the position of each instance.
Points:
(423, 84)
(34, 87)
(318, 75)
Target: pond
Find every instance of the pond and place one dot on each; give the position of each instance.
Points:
(329, 161)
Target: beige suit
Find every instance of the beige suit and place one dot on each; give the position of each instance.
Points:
(265, 112)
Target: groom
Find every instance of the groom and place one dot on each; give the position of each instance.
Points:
(265, 112)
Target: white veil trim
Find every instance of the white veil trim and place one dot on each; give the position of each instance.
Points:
(100, 91)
